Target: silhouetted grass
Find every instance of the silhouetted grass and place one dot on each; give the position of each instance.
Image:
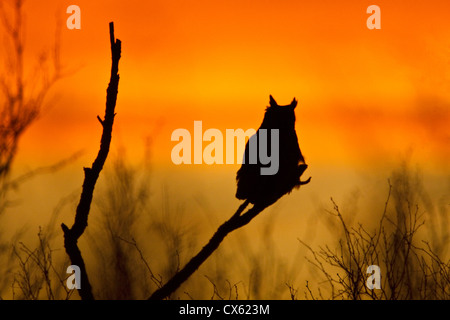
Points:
(138, 240)
(411, 266)
(38, 268)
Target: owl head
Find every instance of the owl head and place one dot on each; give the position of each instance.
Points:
(280, 117)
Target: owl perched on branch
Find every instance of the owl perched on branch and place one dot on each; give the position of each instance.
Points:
(275, 137)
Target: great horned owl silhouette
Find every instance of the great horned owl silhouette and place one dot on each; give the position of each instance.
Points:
(264, 190)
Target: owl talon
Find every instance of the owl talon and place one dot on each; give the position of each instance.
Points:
(305, 182)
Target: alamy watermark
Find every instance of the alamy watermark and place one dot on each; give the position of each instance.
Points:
(74, 20)
(374, 280)
(74, 280)
(218, 152)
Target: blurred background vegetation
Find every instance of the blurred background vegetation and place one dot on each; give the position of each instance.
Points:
(137, 240)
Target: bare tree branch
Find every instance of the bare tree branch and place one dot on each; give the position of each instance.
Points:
(235, 222)
(91, 175)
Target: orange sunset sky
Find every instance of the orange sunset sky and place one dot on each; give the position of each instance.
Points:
(365, 96)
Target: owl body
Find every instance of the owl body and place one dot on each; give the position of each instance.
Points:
(262, 189)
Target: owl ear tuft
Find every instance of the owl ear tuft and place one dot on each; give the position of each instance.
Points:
(294, 103)
(273, 103)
